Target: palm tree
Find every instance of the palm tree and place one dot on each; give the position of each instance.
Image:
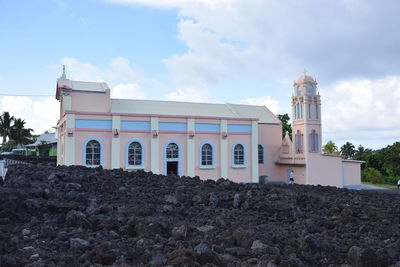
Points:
(19, 135)
(348, 150)
(5, 125)
(330, 148)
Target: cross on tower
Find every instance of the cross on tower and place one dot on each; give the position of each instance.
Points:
(305, 72)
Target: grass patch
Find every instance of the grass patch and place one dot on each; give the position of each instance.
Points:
(389, 186)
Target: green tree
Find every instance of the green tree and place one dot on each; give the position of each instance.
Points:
(347, 150)
(286, 126)
(371, 175)
(19, 135)
(330, 148)
(5, 125)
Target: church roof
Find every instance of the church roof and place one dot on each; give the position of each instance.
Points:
(306, 79)
(235, 111)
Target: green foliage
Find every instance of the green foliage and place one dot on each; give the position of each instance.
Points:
(347, 150)
(14, 129)
(286, 126)
(330, 148)
(371, 175)
(5, 125)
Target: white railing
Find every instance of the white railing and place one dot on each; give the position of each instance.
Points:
(3, 169)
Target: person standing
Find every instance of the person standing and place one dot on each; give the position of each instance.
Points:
(398, 184)
(291, 177)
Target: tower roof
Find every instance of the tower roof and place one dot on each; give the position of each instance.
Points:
(306, 79)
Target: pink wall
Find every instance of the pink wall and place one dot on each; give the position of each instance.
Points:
(215, 173)
(352, 173)
(242, 174)
(270, 136)
(164, 138)
(97, 102)
(127, 118)
(325, 169)
(125, 138)
(298, 175)
(92, 117)
(105, 137)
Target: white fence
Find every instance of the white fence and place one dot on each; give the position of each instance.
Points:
(9, 162)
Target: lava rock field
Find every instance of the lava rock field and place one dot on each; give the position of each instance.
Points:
(77, 216)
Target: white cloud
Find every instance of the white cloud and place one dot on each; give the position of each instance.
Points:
(362, 109)
(128, 90)
(39, 114)
(189, 94)
(271, 103)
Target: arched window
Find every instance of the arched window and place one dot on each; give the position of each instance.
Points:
(298, 90)
(314, 141)
(172, 151)
(316, 111)
(93, 153)
(309, 111)
(206, 155)
(135, 153)
(260, 154)
(299, 142)
(311, 89)
(238, 155)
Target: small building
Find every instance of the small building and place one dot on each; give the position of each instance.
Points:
(239, 142)
(45, 145)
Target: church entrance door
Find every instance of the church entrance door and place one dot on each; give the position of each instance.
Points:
(172, 167)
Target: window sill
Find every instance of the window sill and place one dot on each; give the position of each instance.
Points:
(239, 166)
(206, 167)
(135, 167)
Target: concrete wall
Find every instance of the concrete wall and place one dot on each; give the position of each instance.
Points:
(270, 136)
(351, 175)
(324, 169)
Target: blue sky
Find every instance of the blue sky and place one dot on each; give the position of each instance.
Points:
(220, 51)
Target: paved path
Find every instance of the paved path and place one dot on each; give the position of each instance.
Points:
(373, 188)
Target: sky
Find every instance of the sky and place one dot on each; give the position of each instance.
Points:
(218, 51)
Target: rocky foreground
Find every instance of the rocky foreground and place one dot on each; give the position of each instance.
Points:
(75, 216)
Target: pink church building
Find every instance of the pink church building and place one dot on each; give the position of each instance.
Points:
(240, 142)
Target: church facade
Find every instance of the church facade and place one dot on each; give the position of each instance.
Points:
(240, 142)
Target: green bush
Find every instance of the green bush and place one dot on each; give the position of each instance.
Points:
(371, 175)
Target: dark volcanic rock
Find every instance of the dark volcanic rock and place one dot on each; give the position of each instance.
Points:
(77, 216)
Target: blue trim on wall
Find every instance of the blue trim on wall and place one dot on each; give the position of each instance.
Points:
(354, 187)
(179, 159)
(263, 147)
(244, 154)
(207, 127)
(172, 126)
(239, 128)
(213, 154)
(126, 153)
(93, 124)
(136, 125)
(84, 151)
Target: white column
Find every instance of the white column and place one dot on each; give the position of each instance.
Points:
(254, 152)
(306, 148)
(69, 140)
(224, 150)
(190, 149)
(115, 143)
(154, 147)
